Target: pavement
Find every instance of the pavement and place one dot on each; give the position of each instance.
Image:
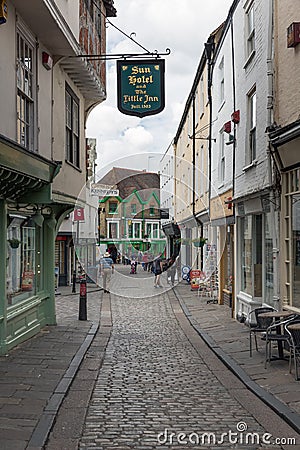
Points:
(36, 376)
(229, 339)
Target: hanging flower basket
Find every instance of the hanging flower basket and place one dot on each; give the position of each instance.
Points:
(14, 243)
(199, 242)
(185, 241)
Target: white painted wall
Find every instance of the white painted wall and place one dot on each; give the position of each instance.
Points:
(254, 178)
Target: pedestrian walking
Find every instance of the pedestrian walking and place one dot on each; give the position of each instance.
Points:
(157, 269)
(107, 268)
(145, 261)
(172, 269)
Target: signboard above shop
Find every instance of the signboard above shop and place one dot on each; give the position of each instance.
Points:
(141, 87)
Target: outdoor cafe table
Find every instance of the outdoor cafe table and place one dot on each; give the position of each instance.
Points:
(278, 315)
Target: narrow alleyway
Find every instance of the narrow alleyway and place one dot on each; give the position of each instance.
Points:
(154, 384)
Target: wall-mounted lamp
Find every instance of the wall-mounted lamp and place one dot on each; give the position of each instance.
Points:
(235, 116)
(38, 218)
(227, 127)
(228, 202)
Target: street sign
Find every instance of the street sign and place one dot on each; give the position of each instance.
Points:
(164, 213)
(78, 214)
(103, 191)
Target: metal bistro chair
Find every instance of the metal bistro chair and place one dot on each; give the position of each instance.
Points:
(277, 333)
(262, 323)
(294, 342)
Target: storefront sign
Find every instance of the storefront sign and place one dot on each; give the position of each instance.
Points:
(196, 276)
(102, 190)
(141, 89)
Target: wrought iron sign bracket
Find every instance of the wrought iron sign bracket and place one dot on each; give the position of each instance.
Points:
(124, 56)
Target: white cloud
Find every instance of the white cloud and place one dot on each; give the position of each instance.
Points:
(158, 24)
(138, 137)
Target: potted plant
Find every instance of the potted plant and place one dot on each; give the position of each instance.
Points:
(199, 242)
(14, 242)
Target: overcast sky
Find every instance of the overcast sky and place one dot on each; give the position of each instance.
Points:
(181, 25)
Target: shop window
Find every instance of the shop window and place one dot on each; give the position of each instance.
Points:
(137, 230)
(149, 229)
(246, 235)
(269, 266)
(152, 230)
(252, 255)
(296, 248)
(60, 263)
(113, 230)
(257, 256)
(21, 259)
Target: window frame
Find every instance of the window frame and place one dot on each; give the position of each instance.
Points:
(133, 209)
(110, 225)
(250, 30)
(112, 210)
(25, 88)
(252, 121)
(72, 127)
(222, 81)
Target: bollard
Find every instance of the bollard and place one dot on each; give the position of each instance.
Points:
(82, 299)
(74, 283)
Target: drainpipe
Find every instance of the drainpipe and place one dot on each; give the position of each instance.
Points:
(199, 223)
(274, 198)
(209, 48)
(233, 157)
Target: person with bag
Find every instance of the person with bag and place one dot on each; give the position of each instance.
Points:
(107, 268)
(157, 269)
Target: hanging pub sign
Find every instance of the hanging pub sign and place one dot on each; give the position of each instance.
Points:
(141, 87)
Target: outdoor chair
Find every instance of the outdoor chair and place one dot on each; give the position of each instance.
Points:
(294, 342)
(261, 323)
(208, 288)
(277, 332)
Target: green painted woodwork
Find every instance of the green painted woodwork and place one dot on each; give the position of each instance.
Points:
(43, 195)
(13, 157)
(49, 264)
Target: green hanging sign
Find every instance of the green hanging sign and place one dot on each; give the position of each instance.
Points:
(141, 87)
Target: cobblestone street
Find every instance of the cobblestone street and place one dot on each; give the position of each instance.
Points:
(153, 382)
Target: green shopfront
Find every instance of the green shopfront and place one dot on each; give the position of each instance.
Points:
(29, 219)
